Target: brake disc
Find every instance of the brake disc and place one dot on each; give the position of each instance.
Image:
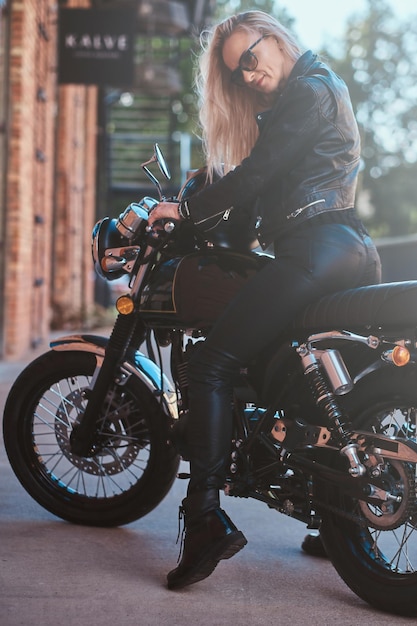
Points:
(116, 445)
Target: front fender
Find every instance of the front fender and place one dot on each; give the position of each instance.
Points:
(136, 364)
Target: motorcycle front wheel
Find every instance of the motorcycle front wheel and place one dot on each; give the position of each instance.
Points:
(133, 466)
(374, 547)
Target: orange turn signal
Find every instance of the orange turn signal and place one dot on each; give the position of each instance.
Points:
(399, 356)
(125, 305)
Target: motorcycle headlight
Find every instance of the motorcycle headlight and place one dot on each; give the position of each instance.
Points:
(106, 236)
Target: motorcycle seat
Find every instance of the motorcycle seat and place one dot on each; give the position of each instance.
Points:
(387, 305)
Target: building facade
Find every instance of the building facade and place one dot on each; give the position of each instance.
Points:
(53, 142)
(47, 181)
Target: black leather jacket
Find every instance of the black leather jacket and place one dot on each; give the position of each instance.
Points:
(304, 163)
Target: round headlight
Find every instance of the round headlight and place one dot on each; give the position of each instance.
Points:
(105, 235)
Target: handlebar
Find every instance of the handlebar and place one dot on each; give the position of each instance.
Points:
(168, 225)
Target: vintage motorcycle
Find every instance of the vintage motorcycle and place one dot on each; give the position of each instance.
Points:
(324, 421)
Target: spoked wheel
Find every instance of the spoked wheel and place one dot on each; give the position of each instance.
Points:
(374, 546)
(133, 465)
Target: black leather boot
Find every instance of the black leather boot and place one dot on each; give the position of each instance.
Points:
(210, 536)
(313, 545)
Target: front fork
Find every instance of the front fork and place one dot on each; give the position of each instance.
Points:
(83, 434)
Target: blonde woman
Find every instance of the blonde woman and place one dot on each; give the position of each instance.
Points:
(286, 120)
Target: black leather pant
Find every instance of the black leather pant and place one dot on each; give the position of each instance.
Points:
(309, 263)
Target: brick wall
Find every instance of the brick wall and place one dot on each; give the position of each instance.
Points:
(3, 147)
(72, 276)
(49, 207)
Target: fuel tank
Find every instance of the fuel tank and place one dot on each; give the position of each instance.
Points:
(193, 290)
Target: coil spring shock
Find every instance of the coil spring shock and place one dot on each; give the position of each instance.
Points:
(327, 403)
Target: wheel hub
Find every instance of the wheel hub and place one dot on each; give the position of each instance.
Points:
(116, 445)
(398, 481)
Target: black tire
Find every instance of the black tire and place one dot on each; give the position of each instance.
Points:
(377, 558)
(134, 466)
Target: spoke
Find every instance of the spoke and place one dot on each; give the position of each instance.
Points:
(375, 535)
(44, 421)
(80, 486)
(64, 406)
(46, 434)
(139, 465)
(71, 472)
(64, 401)
(59, 459)
(402, 548)
(123, 443)
(110, 480)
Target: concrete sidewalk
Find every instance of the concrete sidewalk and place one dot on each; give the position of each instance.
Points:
(53, 573)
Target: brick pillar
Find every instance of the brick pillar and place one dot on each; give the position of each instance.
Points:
(19, 206)
(49, 207)
(73, 278)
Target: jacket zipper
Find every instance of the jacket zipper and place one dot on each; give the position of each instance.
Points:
(225, 216)
(298, 211)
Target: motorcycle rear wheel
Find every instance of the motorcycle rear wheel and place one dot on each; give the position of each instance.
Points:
(133, 467)
(380, 564)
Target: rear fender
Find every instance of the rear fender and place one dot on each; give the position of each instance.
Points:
(136, 364)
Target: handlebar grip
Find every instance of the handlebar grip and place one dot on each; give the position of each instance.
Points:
(168, 226)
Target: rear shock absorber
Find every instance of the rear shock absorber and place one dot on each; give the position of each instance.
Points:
(326, 400)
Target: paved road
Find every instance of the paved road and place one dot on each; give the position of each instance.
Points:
(53, 573)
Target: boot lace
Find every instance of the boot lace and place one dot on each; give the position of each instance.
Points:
(181, 531)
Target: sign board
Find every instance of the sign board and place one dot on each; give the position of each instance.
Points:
(96, 46)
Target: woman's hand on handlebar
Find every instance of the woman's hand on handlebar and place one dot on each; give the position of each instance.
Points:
(164, 211)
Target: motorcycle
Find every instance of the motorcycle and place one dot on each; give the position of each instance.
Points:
(324, 421)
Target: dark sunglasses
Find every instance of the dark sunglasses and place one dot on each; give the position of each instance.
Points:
(248, 62)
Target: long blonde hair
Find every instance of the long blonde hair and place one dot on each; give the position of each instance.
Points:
(227, 111)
